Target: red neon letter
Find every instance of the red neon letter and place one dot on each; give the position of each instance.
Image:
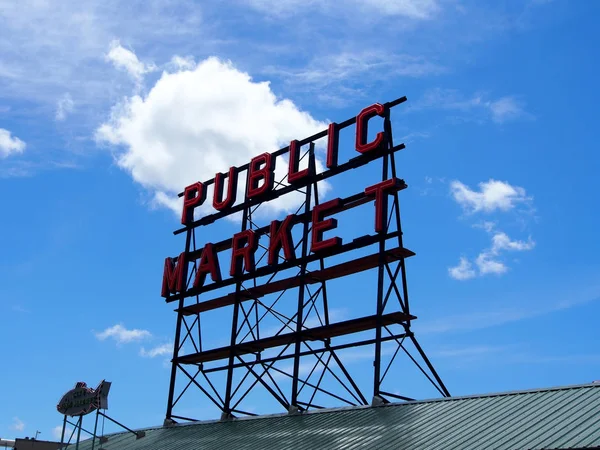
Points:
(193, 196)
(243, 246)
(257, 174)
(218, 203)
(319, 226)
(209, 263)
(362, 127)
(294, 161)
(381, 191)
(333, 137)
(281, 237)
(174, 276)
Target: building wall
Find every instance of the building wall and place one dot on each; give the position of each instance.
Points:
(32, 444)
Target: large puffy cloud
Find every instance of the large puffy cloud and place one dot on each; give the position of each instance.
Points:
(197, 120)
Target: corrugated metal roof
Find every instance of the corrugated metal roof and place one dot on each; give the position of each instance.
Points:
(556, 418)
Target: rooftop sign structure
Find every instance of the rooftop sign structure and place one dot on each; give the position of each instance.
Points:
(82, 400)
(280, 270)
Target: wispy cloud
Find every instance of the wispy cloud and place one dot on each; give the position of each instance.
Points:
(463, 271)
(410, 9)
(505, 109)
(492, 196)
(122, 335)
(10, 145)
(488, 261)
(57, 432)
(160, 350)
(477, 320)
(126, 60)
(17, 425)
(340, 72)
(64, 107)
(479, 106)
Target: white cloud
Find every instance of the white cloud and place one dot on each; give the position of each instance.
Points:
(505, 108)
(57, 432)
(160, 350)
(501, 241)
(463, 271)
(492, 195)
(479, 105)
(488, 261)
(486, 225)
(195, 122)
(487, 264)
(126, 60)
(122, 335)
(64, 106)
(335, 75)
(515, 309)
(412, 9)
(9, 144)
(17, 425)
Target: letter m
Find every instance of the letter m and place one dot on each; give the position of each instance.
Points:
(174, 276)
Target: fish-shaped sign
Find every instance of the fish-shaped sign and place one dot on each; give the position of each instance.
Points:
(82, 400)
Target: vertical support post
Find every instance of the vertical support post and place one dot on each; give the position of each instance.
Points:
(302, 287)
(380, 278)
(62, 435)
(79, 425)
(388, 131)
(234, 324)
(176, 344)
(95, 430)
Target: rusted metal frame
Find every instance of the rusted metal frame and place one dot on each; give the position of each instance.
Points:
(313, 300)
(388, 129)
(306, 352)
(391, 359)
(211, 385)
(184, 418)
(234, 321)
(322, 267)
(221, 407)
(293, 318)
(312, 397)
(380, 278)
(244, 412)
(184, 390)
(392, 278)
(333, 373)
(320, 388)
(310, 405)
(245, 364)
(282, 401)
(439, 388)
(268, 373)
(310, 374)
(270, 309)
(399, 397)
(445, 392)
(301, 288)
(246, 321)
(180, 317)
(347, 375)
(189, 333)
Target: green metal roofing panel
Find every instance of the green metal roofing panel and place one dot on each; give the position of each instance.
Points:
(558, 418)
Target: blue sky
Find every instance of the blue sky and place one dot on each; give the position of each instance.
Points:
(108, 111)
